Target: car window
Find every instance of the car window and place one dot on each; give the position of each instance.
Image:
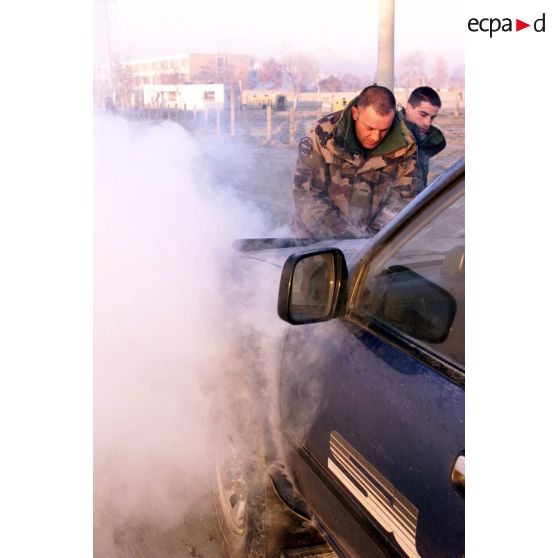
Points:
(416, 285)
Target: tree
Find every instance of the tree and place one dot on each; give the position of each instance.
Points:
(271, 73)
(331, 83)
(235, 73)
(439, 73)
(457, 78)
(412, 70)
(350, 82)
(301, 70)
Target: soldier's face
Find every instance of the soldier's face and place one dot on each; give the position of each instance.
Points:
(422, 115)
(370, 127)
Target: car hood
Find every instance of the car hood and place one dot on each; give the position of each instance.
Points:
(275, 251)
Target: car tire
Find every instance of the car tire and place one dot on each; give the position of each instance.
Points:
(239, 494)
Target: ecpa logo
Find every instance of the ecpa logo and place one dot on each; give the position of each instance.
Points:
(495, 24)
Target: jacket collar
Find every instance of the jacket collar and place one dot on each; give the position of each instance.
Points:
(430, 143)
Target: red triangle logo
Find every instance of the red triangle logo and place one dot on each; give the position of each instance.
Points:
(519, 25)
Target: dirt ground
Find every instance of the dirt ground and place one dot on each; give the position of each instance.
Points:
(261, 175)
(196, 536)
(454, 130)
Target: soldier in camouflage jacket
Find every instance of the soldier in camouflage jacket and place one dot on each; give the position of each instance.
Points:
(355, 169)
(421, 110)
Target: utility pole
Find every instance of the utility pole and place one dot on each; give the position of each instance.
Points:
(109, 53)
(385, 43)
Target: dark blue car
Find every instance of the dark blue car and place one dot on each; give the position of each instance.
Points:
(359, 450)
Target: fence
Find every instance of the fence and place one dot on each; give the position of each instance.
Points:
(264, 125)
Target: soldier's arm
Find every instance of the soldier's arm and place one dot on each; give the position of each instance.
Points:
(313, 205)
(401, 176)
(421, 174)
(438, 143)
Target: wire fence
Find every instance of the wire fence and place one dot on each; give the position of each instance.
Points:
(265, 126)
(271, 128)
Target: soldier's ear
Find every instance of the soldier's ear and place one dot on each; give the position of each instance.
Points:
(354, 112)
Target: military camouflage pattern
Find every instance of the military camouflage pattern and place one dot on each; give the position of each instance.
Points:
(428, 145)
(344, 192)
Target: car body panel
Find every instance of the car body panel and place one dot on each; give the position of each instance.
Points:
(415, 414)
(371, 423)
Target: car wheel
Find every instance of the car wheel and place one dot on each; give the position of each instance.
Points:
(239, 489)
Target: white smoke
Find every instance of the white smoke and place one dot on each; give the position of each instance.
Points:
(163, 311)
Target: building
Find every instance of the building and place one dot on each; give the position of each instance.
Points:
(192, 96)
(128, 78)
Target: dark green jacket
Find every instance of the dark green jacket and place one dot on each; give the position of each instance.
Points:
(428, 145)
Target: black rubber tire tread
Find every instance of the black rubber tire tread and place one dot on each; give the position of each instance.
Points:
(233, 415)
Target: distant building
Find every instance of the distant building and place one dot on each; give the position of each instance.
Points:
(128, 78)
(193, 96)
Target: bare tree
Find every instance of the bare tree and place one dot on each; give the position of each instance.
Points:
(236, 73)
(440, 74)
(354, 83)
(457, 78)
(271, 73)
(302, 70)
(412, 70)
(331, 83)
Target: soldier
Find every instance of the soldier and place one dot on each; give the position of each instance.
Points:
(355, 169)
(421, 109)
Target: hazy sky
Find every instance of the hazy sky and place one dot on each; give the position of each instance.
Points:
(342, 35)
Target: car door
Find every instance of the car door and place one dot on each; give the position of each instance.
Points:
(374, 403)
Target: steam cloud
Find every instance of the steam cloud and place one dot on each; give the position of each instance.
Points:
(163, 311)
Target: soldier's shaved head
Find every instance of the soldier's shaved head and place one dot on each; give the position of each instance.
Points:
(373, 115)
(380, 98)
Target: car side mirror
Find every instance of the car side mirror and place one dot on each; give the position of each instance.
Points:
(313, 286)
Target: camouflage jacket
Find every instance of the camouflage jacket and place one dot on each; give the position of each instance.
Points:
(342, 190)
(428, 145)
